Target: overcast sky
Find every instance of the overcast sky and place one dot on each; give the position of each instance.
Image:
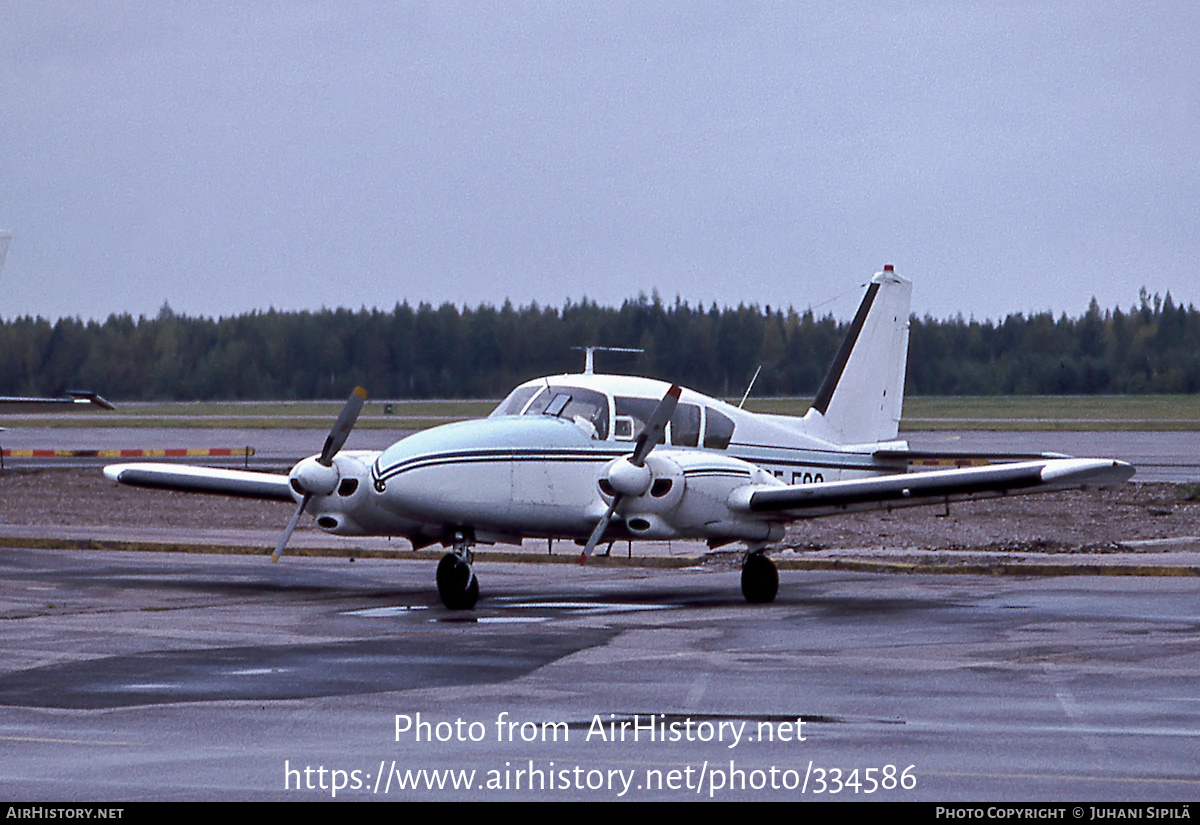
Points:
(1005, 156)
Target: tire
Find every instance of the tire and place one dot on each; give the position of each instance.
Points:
(760, 579)
(457, 586)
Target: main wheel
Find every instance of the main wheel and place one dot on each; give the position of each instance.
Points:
(456, 583)
(760, 579)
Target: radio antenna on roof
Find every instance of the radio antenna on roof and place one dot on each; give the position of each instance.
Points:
(589, 356)
(752, 380)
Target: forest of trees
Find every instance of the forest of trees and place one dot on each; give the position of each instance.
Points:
(448, 352)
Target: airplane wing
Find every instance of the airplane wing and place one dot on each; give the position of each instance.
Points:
(801, 501)
(184, 478)
(20, 404)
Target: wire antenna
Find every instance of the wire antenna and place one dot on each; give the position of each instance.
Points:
(750, 387)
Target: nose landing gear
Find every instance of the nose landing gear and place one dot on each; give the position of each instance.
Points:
(456, 582)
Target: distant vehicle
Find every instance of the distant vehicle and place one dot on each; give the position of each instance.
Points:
(73, 397)
(579, 457)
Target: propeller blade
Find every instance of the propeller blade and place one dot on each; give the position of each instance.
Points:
(333, 442)
(656, 428)
(291, 527)
(343, 425)
(598, 532)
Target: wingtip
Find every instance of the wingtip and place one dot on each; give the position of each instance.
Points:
(1088, 471)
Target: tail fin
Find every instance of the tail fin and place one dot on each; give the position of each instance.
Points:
(862, 396)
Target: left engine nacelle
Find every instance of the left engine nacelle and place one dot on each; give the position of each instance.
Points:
(341, 502)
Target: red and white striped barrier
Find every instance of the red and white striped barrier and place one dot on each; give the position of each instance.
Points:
(164, 453)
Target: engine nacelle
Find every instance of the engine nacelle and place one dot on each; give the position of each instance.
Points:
(351, 507)
(700, 505)
(655, 487)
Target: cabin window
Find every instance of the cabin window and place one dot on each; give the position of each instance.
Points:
(623, 428)
(632, 415)
(685, 426)
(718, 429)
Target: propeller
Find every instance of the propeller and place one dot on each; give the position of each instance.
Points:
(333, 443)
(629, 476)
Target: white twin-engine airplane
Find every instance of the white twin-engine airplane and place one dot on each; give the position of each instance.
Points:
(597, 458)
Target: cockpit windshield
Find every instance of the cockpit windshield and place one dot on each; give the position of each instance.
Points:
(587, 408)
(516, 401)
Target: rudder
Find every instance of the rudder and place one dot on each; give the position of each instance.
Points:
(862, 397)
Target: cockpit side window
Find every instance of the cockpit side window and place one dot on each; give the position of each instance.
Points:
(516, 401)
(587, 408)
(632, 415)
(685, 426)
(718, 429)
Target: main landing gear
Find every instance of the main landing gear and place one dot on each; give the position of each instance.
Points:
(760, 579)
(456, 582)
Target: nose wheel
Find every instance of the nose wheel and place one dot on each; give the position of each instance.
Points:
(760, 579)
(456, 582)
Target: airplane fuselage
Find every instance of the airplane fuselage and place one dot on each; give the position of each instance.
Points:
(537, 468)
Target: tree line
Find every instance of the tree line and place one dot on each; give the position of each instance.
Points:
(450, 352)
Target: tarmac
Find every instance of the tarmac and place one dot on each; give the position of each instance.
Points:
(175, 676)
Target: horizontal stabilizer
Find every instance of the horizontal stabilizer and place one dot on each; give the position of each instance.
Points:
(240, 483)
(936, 487)
(925, 458)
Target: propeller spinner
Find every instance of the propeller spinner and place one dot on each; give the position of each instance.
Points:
(313, 475)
